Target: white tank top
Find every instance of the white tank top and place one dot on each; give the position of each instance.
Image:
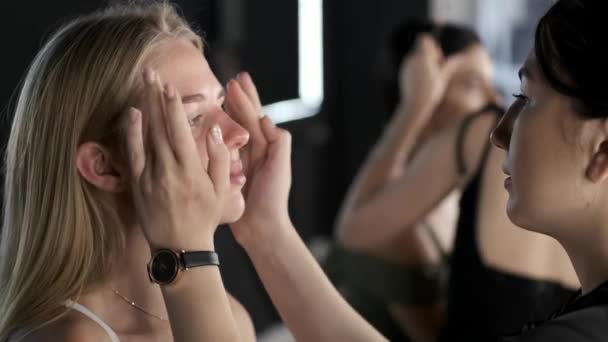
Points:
(75, 306)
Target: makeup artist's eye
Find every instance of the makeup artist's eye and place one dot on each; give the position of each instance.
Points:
(195, 120)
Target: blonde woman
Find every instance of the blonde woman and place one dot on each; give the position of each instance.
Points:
(74, 253)
(116, 179)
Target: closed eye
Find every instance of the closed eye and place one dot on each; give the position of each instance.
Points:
(195, 120)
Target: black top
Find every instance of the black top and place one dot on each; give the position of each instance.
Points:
(582, 319)
(484, 303)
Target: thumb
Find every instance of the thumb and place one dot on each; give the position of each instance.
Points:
(219, 160)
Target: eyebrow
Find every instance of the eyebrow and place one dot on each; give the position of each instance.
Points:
(200, 97)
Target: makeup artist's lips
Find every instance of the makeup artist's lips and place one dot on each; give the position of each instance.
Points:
(237, 177)
(508, 183)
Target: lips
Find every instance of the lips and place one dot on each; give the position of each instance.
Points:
(236, 167)
(236, 173)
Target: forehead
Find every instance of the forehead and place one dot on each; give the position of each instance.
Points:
(180, 63)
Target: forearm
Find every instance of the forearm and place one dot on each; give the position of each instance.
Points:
(200, 293)
(308, 303)
(385, 163)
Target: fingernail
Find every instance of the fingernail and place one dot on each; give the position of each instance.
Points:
(238, 76)
(216, 134)
(133, 115)
(228, 85)
(169, 91)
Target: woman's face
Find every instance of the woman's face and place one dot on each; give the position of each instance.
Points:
(547, 145)
(178, 62)
(470, 88)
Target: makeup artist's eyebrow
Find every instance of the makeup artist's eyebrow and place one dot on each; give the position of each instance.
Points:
(200, 97)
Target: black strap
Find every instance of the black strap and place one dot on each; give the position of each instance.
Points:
(462, 133)
(199, 258)
(445, 257)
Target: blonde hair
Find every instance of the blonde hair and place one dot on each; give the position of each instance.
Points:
(59, 233)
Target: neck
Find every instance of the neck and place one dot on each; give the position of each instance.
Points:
(589, 256)
(130, 277)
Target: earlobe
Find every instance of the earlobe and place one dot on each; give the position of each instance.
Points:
(94, 163)
(597, 171)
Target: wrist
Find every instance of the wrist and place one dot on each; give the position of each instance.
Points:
(262, 239)
(166, 265)
(199, 241)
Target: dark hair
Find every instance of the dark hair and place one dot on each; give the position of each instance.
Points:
(451, 38)
(571, 51)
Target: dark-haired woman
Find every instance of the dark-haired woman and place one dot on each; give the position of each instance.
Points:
(500, 275)
(556, 139)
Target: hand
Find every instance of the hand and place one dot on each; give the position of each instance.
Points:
(267, 164)
(425, 74)
(178, 203)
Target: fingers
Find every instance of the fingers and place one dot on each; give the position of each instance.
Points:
(242, 109)
(154, 109)
(180, 135)
(452, 64)
(428, 46)
(278, 139)
(135, 143)
(219, 160)
(246, 83)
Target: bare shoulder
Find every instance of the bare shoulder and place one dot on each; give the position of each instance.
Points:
(242, 318)
(71, 328)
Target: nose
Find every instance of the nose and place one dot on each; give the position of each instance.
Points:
(235, 135)
(501, 135)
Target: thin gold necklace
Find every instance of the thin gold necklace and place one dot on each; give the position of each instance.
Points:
(133, 304)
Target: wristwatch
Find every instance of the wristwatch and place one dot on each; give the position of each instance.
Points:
(166, 264)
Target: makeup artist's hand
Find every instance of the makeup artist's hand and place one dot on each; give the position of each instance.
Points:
(267, 163)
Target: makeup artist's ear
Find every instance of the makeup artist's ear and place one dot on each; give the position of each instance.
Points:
(94, 163)
(597, 170)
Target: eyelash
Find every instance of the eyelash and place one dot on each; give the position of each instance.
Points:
(520, 97)
(195, 120)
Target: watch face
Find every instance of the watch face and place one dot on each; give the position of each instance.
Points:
(164, 266)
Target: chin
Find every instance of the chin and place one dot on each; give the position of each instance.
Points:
(234, 209)
(514, 214)
(522, 218)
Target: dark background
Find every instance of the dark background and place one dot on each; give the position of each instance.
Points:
(261, 37)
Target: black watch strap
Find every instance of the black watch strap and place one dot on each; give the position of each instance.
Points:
(199, 258)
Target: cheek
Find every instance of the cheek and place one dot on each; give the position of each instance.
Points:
(201, 145)
(234, 208)
(543, 177)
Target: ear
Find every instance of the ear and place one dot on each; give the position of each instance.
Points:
(94, 163)
(597, 170)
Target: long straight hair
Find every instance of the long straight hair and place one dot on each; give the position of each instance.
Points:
(59, 233)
